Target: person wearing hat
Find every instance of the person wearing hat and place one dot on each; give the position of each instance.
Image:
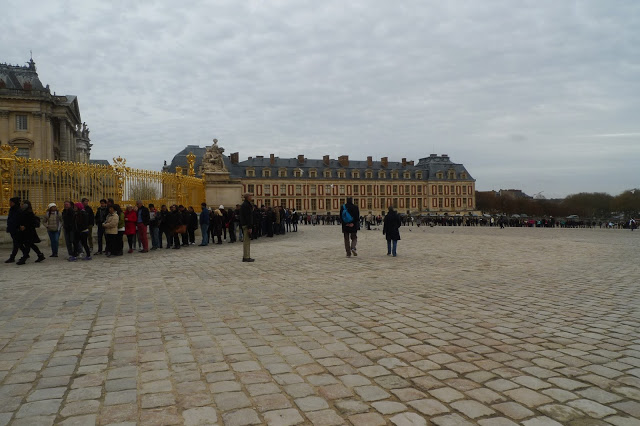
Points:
(12, 227)
(53, 223)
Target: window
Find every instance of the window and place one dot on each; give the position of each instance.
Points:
(297, 173)
(451, 174)
(327, 173)
(382, 189)
(419, 189)
(327, 189)
(283, 202)
(463, 175)
(266, 172)
(298, 189)
(418, 175)
(407, 190)
(453, 189)
(439, 203)
(407, 175)
(313, 189)
(341, 189)
(267, 203)
(327, 204)
(395, 189)
(342, 174)
(439, 189)
(464, 202)
(283, 189)
(370, 204)
(464, 190)
(369, 189)
(369, 174)
(394, 175)
(355, 174)
(21, 122)
(250, 188)
(267, 189)
(282, 173)
(313, 173)
(383, 203)
(251, 173)
(23, 152)
(382, 174)
(439, 175)
(355, 189)
(314, 205)
(298, 204)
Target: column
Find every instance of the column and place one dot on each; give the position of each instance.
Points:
(64, 140)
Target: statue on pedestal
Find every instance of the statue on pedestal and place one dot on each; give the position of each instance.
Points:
(213, 161)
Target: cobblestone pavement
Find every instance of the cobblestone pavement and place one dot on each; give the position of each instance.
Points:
(466, 326)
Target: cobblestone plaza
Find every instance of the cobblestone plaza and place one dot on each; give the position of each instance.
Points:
(466, 326)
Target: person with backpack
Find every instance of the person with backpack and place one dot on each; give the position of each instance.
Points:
(27, 224)
(350, 218)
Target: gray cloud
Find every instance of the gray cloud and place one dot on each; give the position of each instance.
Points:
(509, 89)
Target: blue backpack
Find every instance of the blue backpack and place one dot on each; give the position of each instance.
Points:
(346, 216)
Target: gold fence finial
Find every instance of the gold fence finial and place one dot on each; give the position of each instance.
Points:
(191, 159)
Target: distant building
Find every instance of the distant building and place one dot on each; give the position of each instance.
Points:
(41, 125)
(434, 184)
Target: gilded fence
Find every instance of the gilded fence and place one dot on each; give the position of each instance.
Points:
(44, 181)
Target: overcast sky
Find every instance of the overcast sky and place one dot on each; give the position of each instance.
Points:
(536, 95)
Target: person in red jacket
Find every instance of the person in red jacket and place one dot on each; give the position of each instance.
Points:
(130, 223)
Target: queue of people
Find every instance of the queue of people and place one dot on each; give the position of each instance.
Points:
(172, 227)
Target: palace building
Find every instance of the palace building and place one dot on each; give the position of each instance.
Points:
(434, 185)
(41, 125)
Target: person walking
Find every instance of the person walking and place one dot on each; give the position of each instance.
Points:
(81, 219)
(204, 224)
(68, 227)
(391, 230)
(350, 218)
(28, 237)
(142, 222)
(53, 223)
(246, 222)
(12, 227)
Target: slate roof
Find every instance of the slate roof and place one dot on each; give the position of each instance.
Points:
(100, 162)
(429, 166)
(16, 76)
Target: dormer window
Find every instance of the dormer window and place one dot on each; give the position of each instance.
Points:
(355, 174)
(418, 175)
(451, 174)
(369, 174)
(313, 173)
(342, 174)
(266, 172)
(407, 175)
(463, 175)
(282, 173)
(394, 175)
(439, 175)
(297, 173)
(382, 174)
(327, 173)
(251, 173)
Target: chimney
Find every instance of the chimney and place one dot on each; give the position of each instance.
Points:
(235, 157)
(404, 162)
(410, 163)
(249, 158)
(259, 157)
(325, 160)
(300, 159)
(272, 159)
(384, 161)
(344, 160)
(369, 161)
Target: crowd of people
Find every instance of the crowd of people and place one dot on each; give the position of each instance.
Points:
(172, 227)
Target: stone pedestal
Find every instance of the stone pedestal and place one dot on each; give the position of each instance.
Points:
(221, 189)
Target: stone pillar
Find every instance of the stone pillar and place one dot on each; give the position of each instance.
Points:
(64, 140)
(221, 189)
(4, 127)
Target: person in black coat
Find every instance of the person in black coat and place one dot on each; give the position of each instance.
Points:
(185, 221)
(27, 224)
(13, 228)
(175, 222)
(391, 229)
(350, 226)
(193, 225)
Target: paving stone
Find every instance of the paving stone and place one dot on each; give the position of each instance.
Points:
(561, 413)
(496, 421)
(450, 420)
(371, 393)
(39, 408)
(351, 407)
(528, 397)
(472, 409)
(122, 397)
(155, 400)
(446, 394)
(285, 417)
(311, 403)
(541, 421)
(408, 419)
(367, 419)
(246, 416)
(80, 407)
(49, 393)
(592, 408)
(429, 407)
(325, 418)
(513, 410)
(388, 407)
(90, 419)
(199, 416)
(231, 400)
